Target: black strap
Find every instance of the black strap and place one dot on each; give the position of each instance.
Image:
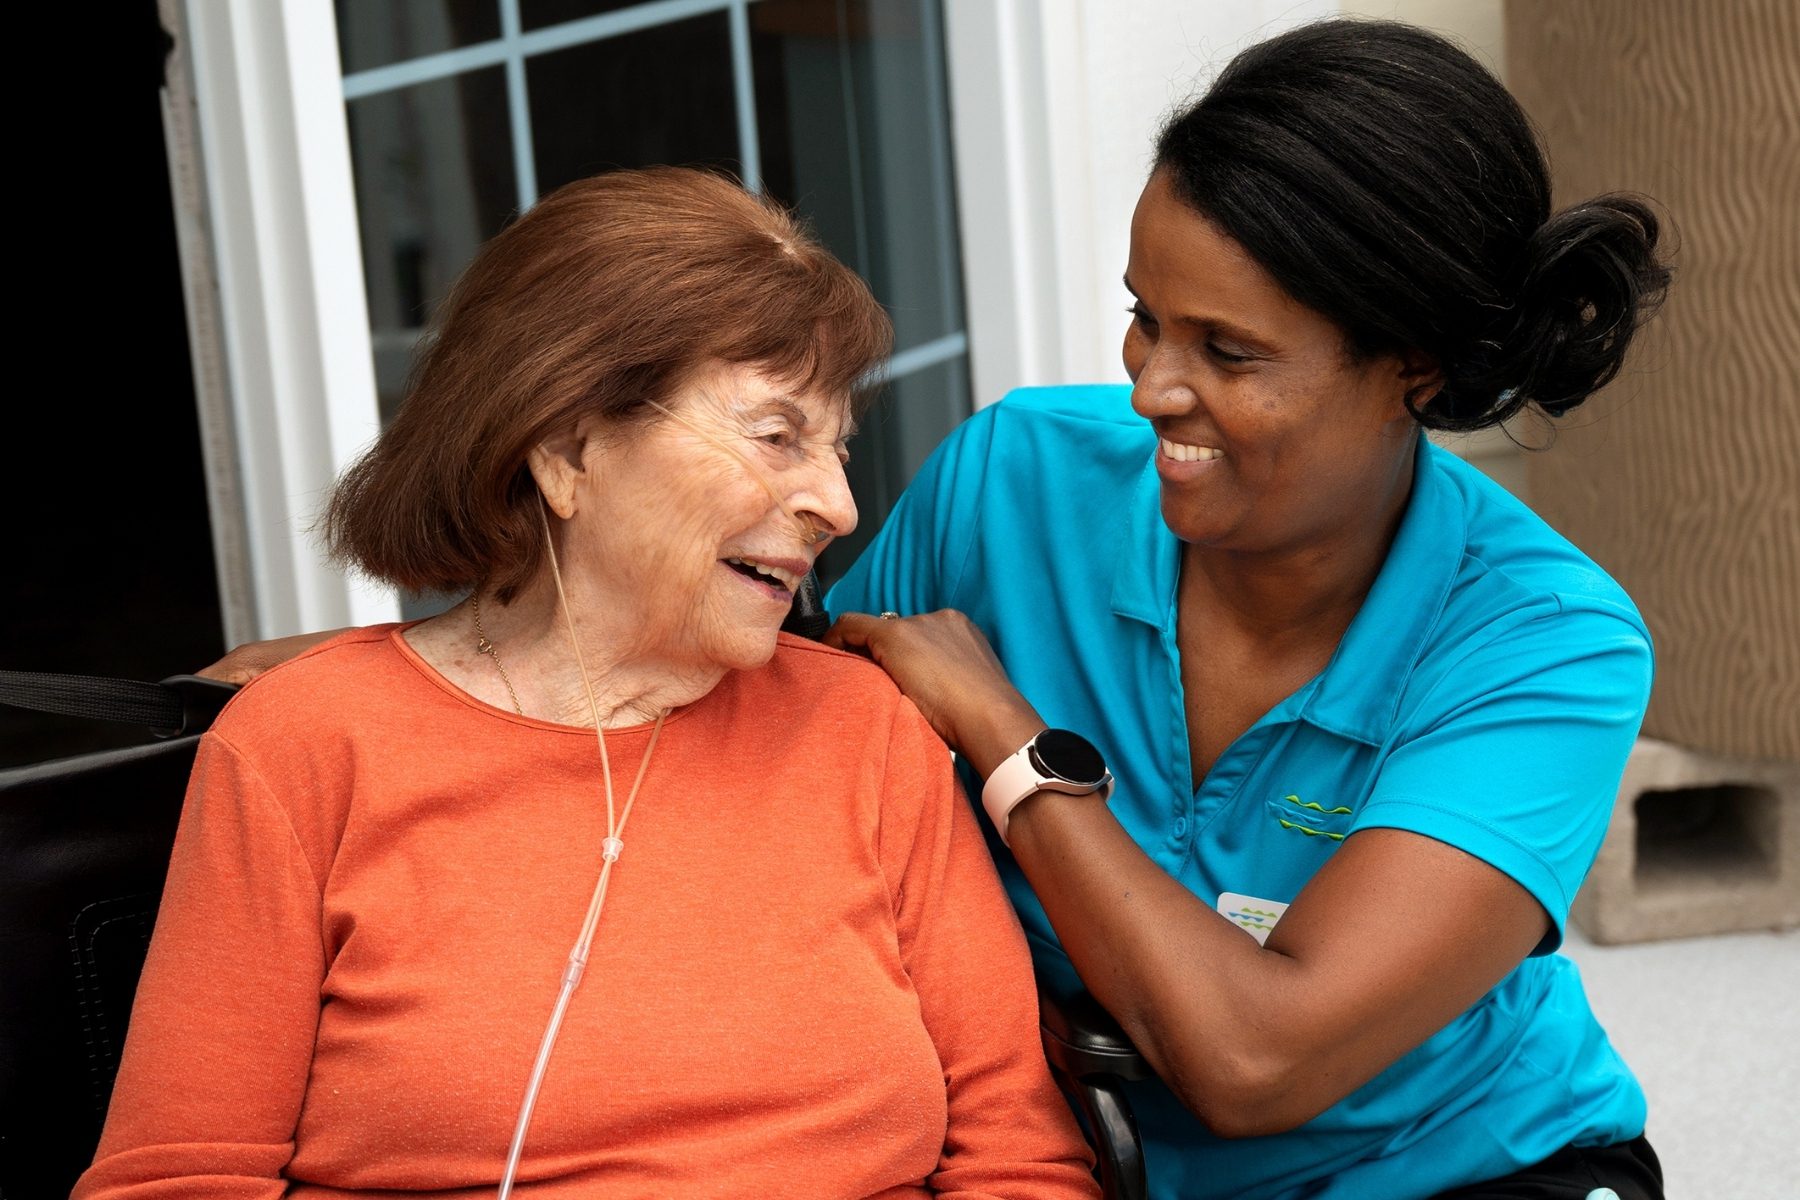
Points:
(179, 704)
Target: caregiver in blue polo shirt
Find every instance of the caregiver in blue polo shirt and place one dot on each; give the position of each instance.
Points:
(1364, 714)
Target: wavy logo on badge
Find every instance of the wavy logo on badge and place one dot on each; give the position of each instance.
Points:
(1252, 914)
(1309, 817)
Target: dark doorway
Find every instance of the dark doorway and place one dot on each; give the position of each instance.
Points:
(110, 570)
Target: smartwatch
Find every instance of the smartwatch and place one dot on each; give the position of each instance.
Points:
(1053, 761)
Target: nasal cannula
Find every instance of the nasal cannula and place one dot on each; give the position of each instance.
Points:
(613, 844)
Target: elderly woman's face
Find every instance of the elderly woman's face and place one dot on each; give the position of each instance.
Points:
(701, 524)
(1271, 435)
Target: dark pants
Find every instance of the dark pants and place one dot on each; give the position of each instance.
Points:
(1628, 1168)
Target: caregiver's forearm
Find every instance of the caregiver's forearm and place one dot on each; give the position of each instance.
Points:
(1219, 1017)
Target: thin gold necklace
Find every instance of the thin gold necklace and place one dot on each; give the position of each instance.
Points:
(484, 646)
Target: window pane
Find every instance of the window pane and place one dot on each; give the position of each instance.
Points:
(898, 434)
(662, 95)
(374, 33)
(434, 180)
(852, 116)
(535, 14)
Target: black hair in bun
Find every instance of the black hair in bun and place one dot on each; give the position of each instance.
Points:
(1390, 182)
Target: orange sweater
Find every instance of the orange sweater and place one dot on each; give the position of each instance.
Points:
(806, 982)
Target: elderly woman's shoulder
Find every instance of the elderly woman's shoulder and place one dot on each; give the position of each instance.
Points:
(329, 685)
(838, 702)
(817, 667)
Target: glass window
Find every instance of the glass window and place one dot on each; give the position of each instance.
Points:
(836, 107)
(434, 180)
(853, 123)
(375, 33)
(658, 95)
(900, 430)
(535, 14)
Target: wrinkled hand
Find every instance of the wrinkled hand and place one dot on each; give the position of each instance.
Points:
(944, 664)
(253, 658)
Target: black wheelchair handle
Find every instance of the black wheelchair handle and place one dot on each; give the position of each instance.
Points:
(1092, 1059)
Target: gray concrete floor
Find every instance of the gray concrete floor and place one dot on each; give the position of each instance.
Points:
(1712, 1028)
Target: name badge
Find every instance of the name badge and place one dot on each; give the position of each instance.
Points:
(1251, 913)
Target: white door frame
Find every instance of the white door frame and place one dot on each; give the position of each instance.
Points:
(298, 373)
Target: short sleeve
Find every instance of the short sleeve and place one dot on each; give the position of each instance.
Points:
(1516, 757)
(915, 563)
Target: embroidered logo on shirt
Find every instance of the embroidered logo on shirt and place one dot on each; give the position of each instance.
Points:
(1297, 814)
(1252, 914)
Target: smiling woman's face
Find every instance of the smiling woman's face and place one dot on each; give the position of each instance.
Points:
(693, 530)
(1272, 436)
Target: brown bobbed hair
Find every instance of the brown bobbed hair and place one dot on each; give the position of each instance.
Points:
(610, 292)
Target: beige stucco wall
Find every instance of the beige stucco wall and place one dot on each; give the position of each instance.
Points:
(1683, 477)
(1478, 24)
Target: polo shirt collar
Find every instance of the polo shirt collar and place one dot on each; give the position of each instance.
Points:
(1141, 594)
(1359, 691)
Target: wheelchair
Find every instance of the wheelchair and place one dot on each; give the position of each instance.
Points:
(84, 844)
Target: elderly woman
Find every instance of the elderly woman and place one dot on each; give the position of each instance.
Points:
(1367, 713)
(794, 971)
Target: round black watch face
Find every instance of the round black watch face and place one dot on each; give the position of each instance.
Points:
(1068, 756)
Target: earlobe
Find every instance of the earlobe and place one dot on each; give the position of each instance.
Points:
(1418, 397)
(1420, 381)
(558, 466)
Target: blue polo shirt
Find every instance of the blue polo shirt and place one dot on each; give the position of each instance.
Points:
(1486, 695)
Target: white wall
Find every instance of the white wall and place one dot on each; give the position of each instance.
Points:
(1132, 65)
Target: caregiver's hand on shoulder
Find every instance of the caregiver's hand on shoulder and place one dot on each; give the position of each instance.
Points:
(944, 664)
(253, 658)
